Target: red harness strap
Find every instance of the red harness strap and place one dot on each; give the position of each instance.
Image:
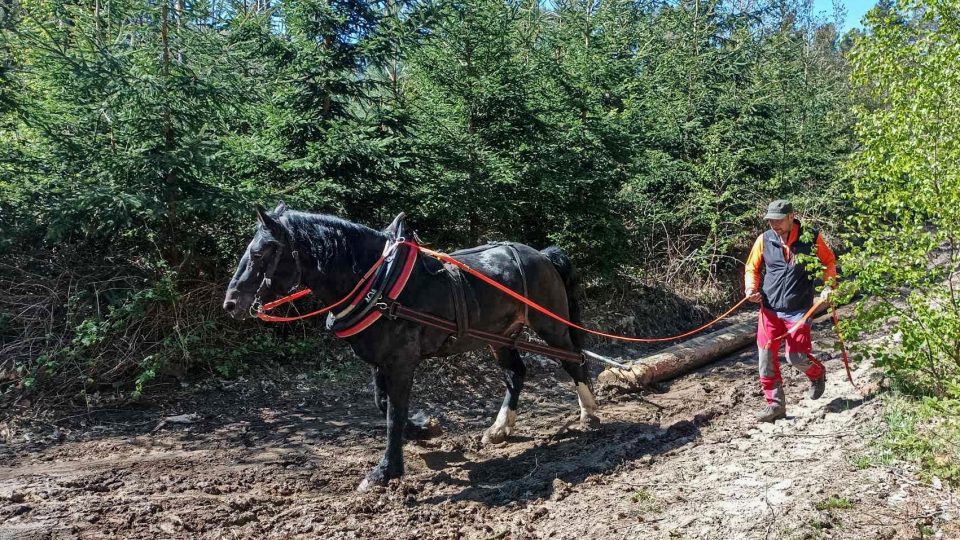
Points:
(263, 316)
(392, 294)
(843, 346)
(356, 294)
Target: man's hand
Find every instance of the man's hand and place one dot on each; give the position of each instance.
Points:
(753, 296)
(825, 293)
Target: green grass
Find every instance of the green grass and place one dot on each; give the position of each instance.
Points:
(834, 503)
(641, 496)
(820, 525)
(645, 501)
(862, 461)
(924, 431)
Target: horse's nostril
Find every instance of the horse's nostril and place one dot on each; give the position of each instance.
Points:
(229, 305)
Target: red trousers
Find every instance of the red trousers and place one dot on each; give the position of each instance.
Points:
(770, 327)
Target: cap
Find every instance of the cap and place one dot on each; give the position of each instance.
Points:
(778, 209)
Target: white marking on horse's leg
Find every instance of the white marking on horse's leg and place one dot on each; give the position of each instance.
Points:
(502, 427)
(588, 406)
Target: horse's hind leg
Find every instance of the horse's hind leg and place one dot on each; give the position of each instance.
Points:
(588, 404)
(558, 336)
(513, 373)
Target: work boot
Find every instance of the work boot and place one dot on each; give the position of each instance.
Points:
(817, 386)
(772, 413)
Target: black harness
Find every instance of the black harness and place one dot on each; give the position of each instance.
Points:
(364, 302)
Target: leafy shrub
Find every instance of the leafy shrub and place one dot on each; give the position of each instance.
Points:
(642, 138)
(905, 180)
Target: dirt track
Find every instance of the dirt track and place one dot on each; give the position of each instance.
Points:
(282, 459)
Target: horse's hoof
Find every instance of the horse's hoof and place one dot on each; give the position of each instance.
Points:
(428, 428)
(590, 423)
(366, 485)
(376, 477)
(495, 435)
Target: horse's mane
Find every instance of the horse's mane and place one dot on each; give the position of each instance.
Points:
(332, 238)
(305, 220)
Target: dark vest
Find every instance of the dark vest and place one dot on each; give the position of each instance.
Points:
(787, 286)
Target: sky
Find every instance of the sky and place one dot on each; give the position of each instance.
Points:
(855, 10)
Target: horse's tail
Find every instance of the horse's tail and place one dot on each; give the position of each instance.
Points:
(568, 274)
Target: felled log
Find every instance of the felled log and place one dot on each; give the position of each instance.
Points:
(680, 358)
(677, 359)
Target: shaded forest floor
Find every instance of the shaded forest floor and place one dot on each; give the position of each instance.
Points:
(280, 457)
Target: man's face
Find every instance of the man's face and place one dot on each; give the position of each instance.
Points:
(782, 226)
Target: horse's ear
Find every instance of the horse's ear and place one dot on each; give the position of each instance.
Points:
(264, 218)
(281, 208)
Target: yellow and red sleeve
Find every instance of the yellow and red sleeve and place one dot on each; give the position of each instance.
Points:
(751, 275)
(828, 260)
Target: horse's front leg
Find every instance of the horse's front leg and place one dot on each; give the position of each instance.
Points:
(397, 379)
(419, 427)
(379, 390)
(513, 374)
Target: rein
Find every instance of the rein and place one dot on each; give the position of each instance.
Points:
(530, 303)
(443, 257)
(262, 315)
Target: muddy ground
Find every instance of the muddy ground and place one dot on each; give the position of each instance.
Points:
(280, 457)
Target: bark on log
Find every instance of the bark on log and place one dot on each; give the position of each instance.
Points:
(679, 359)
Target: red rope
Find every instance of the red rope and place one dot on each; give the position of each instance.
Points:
(843, 346)
(520, 298)
(836, 328)
(301, 293)
(803, 320)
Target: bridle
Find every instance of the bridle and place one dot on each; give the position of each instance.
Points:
(267, 281)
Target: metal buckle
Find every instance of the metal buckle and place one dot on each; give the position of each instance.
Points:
(389, 250)
(255, 306)
(389, 310)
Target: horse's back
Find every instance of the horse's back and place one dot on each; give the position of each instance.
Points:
(520, 267)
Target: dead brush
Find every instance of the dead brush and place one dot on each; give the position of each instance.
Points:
(680, 284)
(71, 327)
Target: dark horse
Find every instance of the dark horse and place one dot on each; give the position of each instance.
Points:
(330, 255)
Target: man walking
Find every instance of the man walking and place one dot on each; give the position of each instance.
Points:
(786, 293)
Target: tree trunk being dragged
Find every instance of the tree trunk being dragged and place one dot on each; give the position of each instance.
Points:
(678, 359)
(681, 358)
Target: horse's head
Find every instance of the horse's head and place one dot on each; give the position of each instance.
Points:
(269, 268)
